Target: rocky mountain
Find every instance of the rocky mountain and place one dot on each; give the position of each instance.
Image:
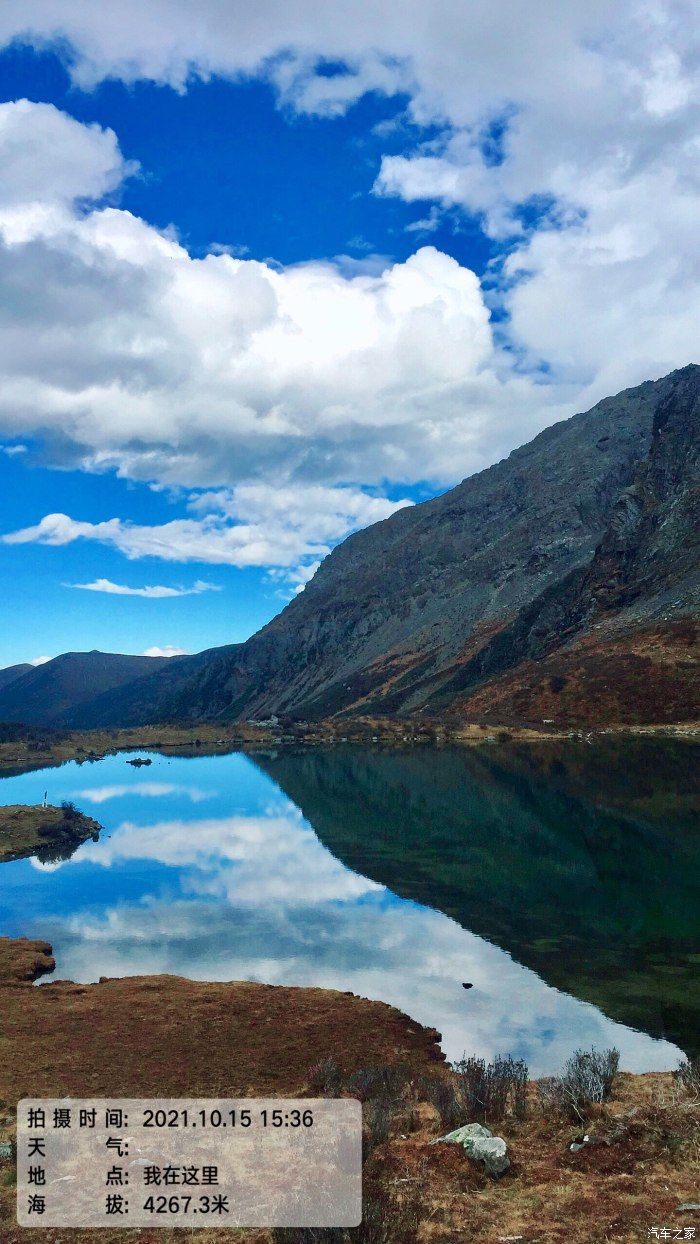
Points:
(483, 600)
(48, 694)
(624, 623)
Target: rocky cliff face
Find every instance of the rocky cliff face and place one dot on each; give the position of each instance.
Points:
(633, 604)
(413, 613)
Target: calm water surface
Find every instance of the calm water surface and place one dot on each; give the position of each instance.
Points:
(563, 886)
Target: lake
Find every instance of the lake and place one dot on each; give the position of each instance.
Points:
(560, 881)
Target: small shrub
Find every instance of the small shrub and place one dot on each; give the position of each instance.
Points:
(472, 1087)
(590, 1074)
(491, 1091)
(551, 1095)
(588, 1079)
(688, 1075)
(386, 1080)
(70, 812)
(326, 1078)
(377, 1118)
(444, 1096)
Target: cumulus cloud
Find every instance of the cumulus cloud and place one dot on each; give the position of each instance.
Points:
(570, 134)
(572, 129)
(126, 353)
(155, 592)
(43, 148)
(40, 660)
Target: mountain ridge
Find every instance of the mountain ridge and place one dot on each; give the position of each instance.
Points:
(419, 611)
(44, 694)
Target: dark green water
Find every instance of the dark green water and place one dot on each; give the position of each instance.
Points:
(581, 860)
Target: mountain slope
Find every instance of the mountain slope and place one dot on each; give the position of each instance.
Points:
(11, 672)
(46, 694)
(634, 596)
(407, 615)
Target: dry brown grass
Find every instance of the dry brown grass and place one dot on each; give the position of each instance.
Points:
(35, 830)
(166, 1036)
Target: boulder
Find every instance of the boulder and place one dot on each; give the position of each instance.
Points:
(481, 1145)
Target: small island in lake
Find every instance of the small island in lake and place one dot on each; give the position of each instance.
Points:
(44, 831)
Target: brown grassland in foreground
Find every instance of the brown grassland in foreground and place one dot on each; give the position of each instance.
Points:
(165, 1036)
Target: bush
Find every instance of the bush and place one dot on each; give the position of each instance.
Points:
(385, 1080)
(326, 1078)
(491, 1091)
(588, 1079)
(590, 1074)
(444, 1097)
(70, 812)
(688, 1074)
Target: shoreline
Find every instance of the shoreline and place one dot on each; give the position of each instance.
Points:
(36, 748)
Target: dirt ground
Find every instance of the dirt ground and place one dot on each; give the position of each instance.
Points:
(148, 1036)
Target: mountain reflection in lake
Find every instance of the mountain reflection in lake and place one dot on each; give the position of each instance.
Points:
(289, 869)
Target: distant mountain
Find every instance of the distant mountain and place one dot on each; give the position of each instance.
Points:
(482, 601)
(11, 672)
(49, 694)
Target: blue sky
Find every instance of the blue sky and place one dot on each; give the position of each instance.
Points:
(259, 294)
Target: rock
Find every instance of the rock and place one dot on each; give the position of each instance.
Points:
(467, 985)
(138, 761)
(5, 1150)
(481, 1145)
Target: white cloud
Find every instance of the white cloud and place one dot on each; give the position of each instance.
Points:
(44, 148)
(252, 525)
(127, 353)
(427, 224)
(151, 593)
(572, 134)
(168, 651)
(40, 660)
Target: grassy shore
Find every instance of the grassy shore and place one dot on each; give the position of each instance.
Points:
(238, 1039)
(27, 748)
(46, 832)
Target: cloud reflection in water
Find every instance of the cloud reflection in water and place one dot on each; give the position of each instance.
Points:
(258, 897)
